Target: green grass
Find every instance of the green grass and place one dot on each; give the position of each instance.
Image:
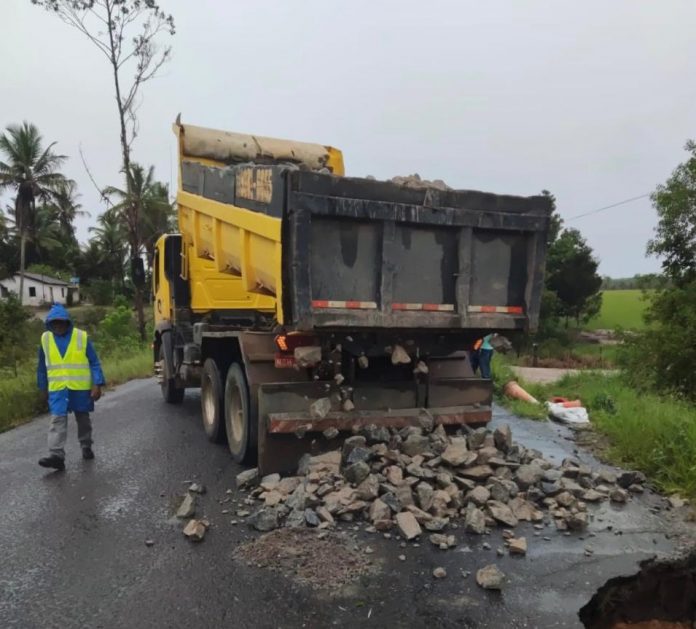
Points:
(654, 434)
(620, 309)
(19, 399)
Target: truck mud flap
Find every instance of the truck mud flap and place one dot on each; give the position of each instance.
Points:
(288, 429)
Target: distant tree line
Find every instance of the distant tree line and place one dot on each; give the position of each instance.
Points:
(647, 281)
(37, 227)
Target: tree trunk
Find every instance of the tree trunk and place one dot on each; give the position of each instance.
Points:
(22, 264)
(132, 219)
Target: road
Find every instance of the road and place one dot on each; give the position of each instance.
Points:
(73, 554)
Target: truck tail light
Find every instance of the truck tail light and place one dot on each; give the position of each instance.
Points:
(287, 343)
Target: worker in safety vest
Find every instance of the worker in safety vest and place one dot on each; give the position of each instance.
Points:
(70, 378)
(481, 356)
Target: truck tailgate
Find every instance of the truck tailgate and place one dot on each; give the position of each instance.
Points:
(363, 253)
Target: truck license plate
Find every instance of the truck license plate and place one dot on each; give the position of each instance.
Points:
(284, 362)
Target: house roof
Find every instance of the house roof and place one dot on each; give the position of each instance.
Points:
(44, 279)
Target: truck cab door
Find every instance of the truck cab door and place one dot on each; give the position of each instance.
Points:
(161, 288)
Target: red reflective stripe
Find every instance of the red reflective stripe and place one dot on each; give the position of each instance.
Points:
(498, 309)
(350, 305)
(426, 307)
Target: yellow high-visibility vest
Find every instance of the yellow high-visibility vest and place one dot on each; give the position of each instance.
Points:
(72, 370)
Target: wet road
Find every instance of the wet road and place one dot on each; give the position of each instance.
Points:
(72, 550)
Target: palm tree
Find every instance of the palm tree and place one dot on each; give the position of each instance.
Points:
(148, 200)
(66, 207)
(156, 213)
(43, 233)
(110, 238)
(32, 172)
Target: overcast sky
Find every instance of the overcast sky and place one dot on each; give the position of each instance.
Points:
(591, 100)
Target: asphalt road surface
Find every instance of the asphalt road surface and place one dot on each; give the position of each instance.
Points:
(72, 551)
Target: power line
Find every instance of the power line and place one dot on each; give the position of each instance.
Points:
(607, 207)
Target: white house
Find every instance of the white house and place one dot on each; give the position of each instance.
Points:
(40, 290)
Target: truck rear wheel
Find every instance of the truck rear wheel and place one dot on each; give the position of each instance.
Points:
(170, 392)
(211, 402)
(239, 418)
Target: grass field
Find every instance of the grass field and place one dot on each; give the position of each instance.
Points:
(620, 308)
(644, 431)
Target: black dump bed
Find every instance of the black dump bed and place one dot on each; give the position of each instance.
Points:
(360, 253)
(364, 253)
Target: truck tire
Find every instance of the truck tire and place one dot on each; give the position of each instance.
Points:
(242, 428)
(170, 392)
(211, 402)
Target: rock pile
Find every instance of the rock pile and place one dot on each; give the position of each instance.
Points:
(415, 181)
(414, 480)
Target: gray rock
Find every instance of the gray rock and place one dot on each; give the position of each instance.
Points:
(311, 518)
(618, 495)
(439, 573)
(626, 479)
(438, 539)
(404, 495)
(606, 476)
(498, 491)
(247, 478)
(592, 495)
(392, 502)
(359, 454)
(456, 453)
(307, 356)
(195, 530)
(265, 519)
(196, 488)
(376, 434)
(577, 521)
(415, 444)
(477, 473)
(490, 577)
(474, 521)
(552, 475)
(424, 492)
(187, 507)
(357, 441)
(295, 519)
(270, 482)
(330, 433)
(636, 488)
(435, 524)
(408, 525)
(298, 499)
(550, 489)
(477, 438)
(503, 438)
(502, 513)
(534, 494)
(479, 496)
(517, 545)
(379, 511)
(528, 475)
(369, 489)
(320, 408)
(356, 473)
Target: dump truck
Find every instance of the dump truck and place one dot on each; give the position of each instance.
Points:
(305, 304)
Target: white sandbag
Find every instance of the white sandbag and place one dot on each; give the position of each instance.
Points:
(565, 415)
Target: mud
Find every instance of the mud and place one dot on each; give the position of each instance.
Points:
(661, 595)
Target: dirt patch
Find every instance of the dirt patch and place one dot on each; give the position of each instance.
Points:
(661, 595)
(318, 559)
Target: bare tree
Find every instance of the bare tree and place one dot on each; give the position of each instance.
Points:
(127, 33)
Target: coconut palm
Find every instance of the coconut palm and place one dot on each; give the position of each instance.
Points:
(156, 213)
(110, 238)
(31, 171)
(66, 207)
